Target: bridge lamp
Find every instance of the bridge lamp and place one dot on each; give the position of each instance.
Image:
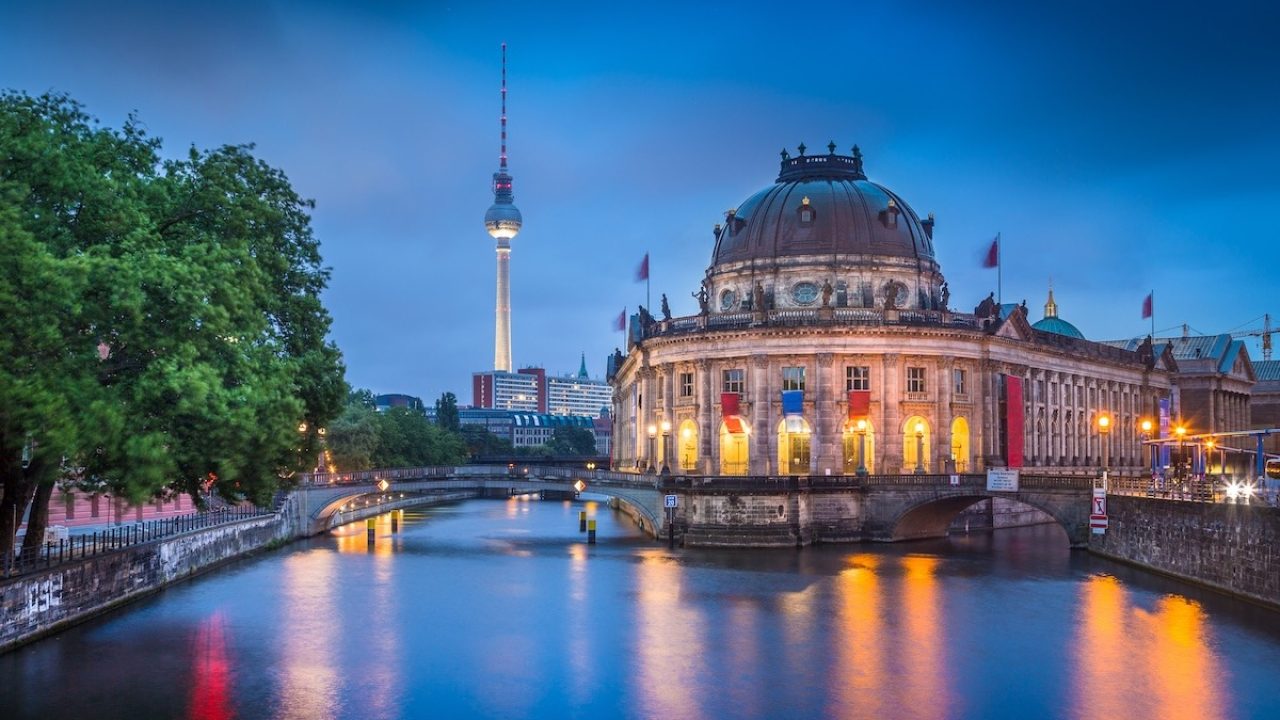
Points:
(1104, 429)
(919, 447)
(1146, 435)
(862, 447)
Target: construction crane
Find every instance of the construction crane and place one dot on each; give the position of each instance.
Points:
(1264, 333)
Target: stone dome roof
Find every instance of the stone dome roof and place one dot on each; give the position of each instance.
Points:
(823, 205)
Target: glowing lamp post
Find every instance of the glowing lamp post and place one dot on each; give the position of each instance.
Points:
(1146, 435)
(1104, 432)
(919, 448)
(862, 448)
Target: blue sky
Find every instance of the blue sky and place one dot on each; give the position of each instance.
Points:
(1118, 149)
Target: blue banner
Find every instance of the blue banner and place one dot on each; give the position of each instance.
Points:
(1164, 433)
(792, 402)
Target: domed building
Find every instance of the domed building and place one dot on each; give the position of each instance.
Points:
(827, 344)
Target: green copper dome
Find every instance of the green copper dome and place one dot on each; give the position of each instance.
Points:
(1058, 326)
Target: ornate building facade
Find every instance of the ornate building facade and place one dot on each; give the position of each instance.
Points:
(826, 344)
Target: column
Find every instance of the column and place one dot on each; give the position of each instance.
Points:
(708, 425)
(888, 432)
(826, 439)
(762, 440)
(942, 417)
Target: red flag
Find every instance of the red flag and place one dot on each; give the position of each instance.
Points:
(621, 323)
(992, 257)
(643, 272)
(1146, 306)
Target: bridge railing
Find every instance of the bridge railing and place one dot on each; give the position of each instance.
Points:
(114, 539)
(512, 471)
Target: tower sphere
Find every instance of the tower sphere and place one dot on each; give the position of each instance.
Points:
(502, 220)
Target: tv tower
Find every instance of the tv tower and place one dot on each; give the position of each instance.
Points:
(503, 222)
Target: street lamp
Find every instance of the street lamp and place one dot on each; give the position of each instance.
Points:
(666, 447)
(1104, 430)
(653, 433)
(919, 447)
(862, 447)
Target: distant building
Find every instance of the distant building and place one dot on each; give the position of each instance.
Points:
(522, 429)
(502, 390)
(530, 389)
(384, 403)
(1264, 407)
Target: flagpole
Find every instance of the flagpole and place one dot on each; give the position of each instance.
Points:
(999, 262)
(648, 270)
(1153, 314)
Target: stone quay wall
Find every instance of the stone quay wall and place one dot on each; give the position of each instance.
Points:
(1232, 548)
(41, 603)
(44, 602)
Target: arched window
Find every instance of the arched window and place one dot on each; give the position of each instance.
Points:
(915, 445)
(960, 444)
(850, 439)
(688, 444)
(793, 446)
(735, 442)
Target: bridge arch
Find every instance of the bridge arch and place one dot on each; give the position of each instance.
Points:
(932, 517)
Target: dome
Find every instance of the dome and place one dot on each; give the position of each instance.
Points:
(1058, 326)
(823, 205)
(1051, 323)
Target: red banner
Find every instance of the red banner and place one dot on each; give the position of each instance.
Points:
(859, 404)
(1013, 420)
(729, 412)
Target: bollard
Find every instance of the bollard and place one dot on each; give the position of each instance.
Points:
(591, 532)
(370, 530)
(582, 521)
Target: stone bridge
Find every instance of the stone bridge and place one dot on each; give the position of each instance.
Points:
(329, 499)
(714, 510)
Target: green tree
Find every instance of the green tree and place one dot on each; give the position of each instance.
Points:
(572, 441)
(163, 328)
(480, 442)
(447, 412)
(406, 438)
(353, 437)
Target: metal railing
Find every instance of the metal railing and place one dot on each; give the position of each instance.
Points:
(108, 540)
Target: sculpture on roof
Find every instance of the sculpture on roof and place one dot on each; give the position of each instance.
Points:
(826, 293)
(987, 308)
(666, 309)
(701, 296)
(946, 295)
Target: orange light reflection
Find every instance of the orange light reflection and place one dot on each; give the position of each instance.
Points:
(670, 643)
(926, 689)
(859, 675)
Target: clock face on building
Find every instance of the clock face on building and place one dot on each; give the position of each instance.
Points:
(804, 293)
(728, 300)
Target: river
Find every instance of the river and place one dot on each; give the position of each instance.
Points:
(499, 609)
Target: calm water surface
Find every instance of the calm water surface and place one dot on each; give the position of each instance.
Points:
(499, 609)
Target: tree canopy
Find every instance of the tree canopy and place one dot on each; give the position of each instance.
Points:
(163, 327)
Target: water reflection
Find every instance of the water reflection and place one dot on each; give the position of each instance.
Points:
(210, 672)
(1133, 662)
(669, 642)
(926, 670)
(859, 678)
(309, 678)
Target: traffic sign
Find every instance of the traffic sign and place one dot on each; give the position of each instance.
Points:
(1099, 505)
(1098, 524)
(669, 501)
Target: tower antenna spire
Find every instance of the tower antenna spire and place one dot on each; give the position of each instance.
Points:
(502, 159)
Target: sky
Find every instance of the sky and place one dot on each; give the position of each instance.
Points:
(1118, 148)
